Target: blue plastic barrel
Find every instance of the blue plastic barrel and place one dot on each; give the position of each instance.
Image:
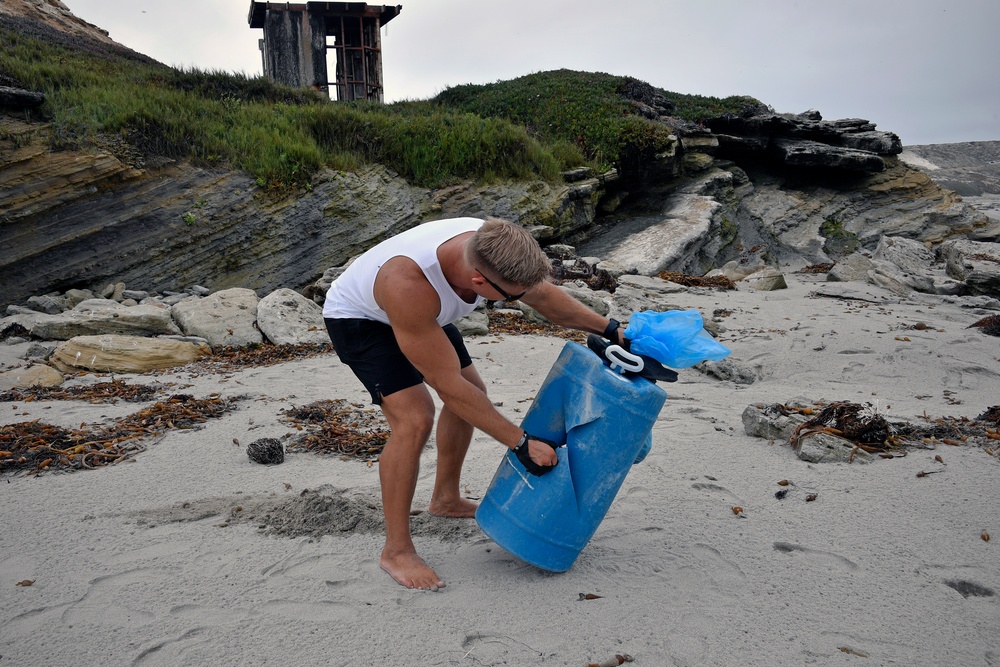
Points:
(605, 420)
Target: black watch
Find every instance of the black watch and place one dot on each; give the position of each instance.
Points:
(611, 331)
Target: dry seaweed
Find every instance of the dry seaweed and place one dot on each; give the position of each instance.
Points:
(815, 268)
(983, 431)
(35, 447)
(257, 354)
(860, 423)
(338, 427)
(598, 279)
(716, 282)
(870, 431)
(513, 323)
(989, 325)
(101, 392)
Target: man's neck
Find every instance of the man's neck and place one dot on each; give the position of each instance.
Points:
(456, 270)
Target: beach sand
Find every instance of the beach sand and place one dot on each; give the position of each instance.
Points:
(162, 559)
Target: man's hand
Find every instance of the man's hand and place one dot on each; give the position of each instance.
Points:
(537, 455)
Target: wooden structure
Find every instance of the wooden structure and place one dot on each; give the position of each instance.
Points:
(295, 45)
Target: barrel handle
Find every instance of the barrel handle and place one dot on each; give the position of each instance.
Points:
(623, 361)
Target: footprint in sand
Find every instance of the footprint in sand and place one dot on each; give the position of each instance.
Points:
(710, 487)
(961, 579)
(724, 573)
(206, 615)
(828, 556)
(169, 651)
(323, 611)
(488, 648)
(108, 594)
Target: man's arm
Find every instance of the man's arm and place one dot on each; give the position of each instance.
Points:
(562, 309)
(412, 304)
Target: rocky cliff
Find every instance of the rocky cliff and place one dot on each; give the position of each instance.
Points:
(806, 189)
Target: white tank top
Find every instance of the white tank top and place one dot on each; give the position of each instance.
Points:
(352, 294)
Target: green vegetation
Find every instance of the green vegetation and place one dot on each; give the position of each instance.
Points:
(592, 111)
(529, 128)
(838, 242)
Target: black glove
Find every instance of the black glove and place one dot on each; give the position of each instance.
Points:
(521, 451)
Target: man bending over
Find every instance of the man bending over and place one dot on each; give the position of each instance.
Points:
(390, 316)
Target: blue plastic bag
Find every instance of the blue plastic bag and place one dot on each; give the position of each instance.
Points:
(675, 338)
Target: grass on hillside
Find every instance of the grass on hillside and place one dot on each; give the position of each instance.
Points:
(529, 128)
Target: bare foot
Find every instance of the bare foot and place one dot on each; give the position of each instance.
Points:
(410, 570)
(460, 508)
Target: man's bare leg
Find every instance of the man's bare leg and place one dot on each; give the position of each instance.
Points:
(454, 435)
(410, 414)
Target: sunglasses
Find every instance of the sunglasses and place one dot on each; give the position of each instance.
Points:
(506, 296)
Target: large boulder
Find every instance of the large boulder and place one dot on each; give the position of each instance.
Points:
(36, 375)
(847, 144)
(124, 354)
(852, 268)
(683, 236)
(94, 317)
(974, 262)
(286, 317)
(805, 153)
(638, 293)
(225, 319)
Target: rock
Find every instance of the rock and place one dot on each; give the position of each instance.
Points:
(48, 304)
(774, 423)
(124, 354)
(476, 323)
(806, 137)
(113, 291)
(38, 375)
(729, 371)
(596, 300)
(612, 269)
(910, 256)
(921, 281)
(18, 325)
(19, 98)
(853, 268)
(317, 291)
(99, 316)
(671, 240)
(286, 317)
(972, 169)
(40, 351)
(266, 451)
(561, 251)
(639, 293)
(767, 279)
(885, 276)
(975, 263)
(827, 448)
(738, 269)
(804, 153)
(651, 285)
(768, 421)
(76, 296)
(912, 260)
(225, 319)
(135, 231)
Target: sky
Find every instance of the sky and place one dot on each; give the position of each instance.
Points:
(928, 70)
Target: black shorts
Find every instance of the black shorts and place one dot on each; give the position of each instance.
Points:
(370, 349)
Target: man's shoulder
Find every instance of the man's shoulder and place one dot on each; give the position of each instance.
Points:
(403, 274)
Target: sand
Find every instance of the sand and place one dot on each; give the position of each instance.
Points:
(191, 554)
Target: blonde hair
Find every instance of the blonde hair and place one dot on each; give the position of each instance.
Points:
(510, 252)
